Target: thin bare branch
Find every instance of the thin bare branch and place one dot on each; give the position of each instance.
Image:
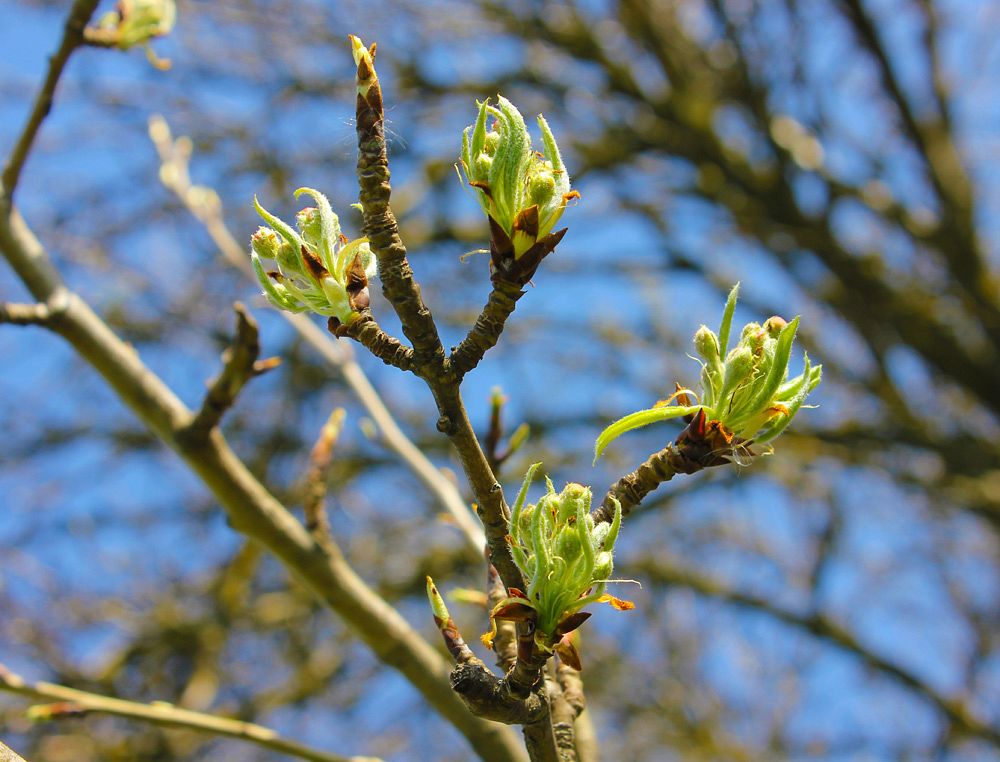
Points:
(484, 335)
(314, 504)
(39, 313)
(398, 283)
(240, 364)
(74, 702)
(387, 348)
(72, 38)
(7, 754)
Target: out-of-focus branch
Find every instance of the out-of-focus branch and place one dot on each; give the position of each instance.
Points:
(956, 710)
(7, 754)
(72, 38)
(240, 364)
(40, 313)
(313, 504)
(205, 205)
(252, 510)
(73, 702)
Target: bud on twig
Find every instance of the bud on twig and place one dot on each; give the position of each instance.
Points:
(566, 561)
(522, 192)
(135, 22)
(747, 399)
(318, 269)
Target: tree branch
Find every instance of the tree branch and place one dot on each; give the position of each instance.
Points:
(398, 283)
(39, 313)
(240, 364)
(314, 503)
(387, 348)
(74, 702)
(72, 38)
(7, 754)
(689, 454)
(489, 325)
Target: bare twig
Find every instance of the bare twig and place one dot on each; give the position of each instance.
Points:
(72, 38)
(403, 293)
(489, 325)
(660, 467)
(240, 364)
(39, 313)
(74, 702)
(313, 504)
(205, 205)
(505, 640)
(387, 348)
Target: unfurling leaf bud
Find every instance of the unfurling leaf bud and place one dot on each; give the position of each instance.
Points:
(522, 192)
(744, 400)
(707, 344)
(739, 366)
(774, 325)
(318, 269)
(137, 22)
(266, 243)
(565, 559)
(441, 615)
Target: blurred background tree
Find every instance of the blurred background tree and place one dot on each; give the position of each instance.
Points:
(839, 600)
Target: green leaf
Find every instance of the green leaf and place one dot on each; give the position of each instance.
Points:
(779, 367)
(287, 231)
(329, 232)
(522, 495)
(774, 430)
(638, 420)
(727, 319)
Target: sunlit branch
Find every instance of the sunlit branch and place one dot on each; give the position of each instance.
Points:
(240, 364)
(73, 703)
(72, 38)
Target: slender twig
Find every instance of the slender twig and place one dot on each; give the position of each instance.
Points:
(39, 313)
(387, 348)
(823, 627)
(240, 364)
(403, 293)
(314, 502)
(491, 442)
(72, 38)
(660, 467)
(205, 205)
(489, 325)
(398, 284)
(505, 641)
(74, 702)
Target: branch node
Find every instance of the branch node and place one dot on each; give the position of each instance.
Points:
(240, 364)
